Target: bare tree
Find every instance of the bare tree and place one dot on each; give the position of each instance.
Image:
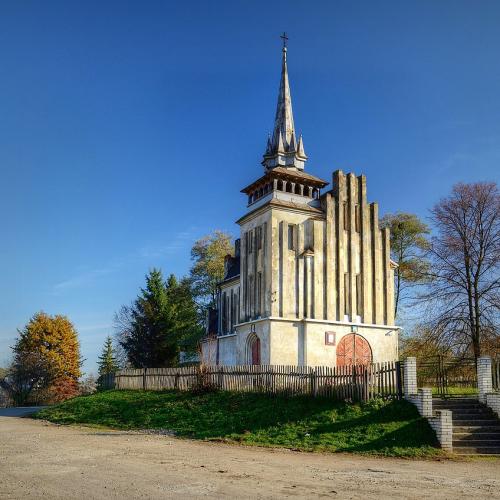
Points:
(463, 294)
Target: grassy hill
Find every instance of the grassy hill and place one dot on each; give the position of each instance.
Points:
(392, 428)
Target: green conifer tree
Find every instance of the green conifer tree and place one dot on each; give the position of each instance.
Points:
(107, 361)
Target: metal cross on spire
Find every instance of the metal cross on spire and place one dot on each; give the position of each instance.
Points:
(284, 38)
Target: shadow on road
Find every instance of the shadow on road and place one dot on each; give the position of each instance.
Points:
(21, 411)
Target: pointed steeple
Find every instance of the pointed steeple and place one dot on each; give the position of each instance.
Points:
(283, 121)
(283, 148)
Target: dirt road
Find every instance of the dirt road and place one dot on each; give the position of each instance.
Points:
(40, 460)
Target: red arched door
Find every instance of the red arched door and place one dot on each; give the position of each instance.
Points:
(353, 349)
(256, 351)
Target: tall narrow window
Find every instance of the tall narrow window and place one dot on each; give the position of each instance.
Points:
(346, 293)
(356, 218)
(224, 313)
(359, 298)
(259, 294)
(291, 237)
(346, 218)
(259, 237)
(250, 241)
(231, 324)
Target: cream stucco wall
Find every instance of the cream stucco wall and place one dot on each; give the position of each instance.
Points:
(335, 273)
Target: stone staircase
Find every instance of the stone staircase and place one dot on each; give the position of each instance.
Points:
(476, 429)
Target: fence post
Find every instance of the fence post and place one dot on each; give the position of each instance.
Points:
(410, 377)
(313, 382)
(399, 385)
(144, 379)
(484, 377)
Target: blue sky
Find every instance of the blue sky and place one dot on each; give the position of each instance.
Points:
(127, 129)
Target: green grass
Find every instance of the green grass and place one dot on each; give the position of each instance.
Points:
(456, 391)
(391, 428)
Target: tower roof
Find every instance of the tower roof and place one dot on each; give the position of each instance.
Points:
(282, 148)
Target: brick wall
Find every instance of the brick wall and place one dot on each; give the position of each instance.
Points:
(493, 401)
(441, 420)
(443, 427)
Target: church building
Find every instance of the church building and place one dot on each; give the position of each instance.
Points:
(311, 281)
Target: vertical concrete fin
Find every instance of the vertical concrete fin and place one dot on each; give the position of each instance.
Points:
(352, 247)
(366, 260)
(377, 267)
(340, 196)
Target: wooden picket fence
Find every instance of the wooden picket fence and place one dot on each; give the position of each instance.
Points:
(349, 383)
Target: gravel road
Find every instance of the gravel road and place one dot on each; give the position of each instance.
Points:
(41, 460)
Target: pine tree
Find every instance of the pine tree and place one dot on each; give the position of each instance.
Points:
(107, 362)
(161, 320)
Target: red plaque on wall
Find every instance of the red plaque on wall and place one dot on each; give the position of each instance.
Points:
(329, 338)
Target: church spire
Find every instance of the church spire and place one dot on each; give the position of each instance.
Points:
(282, 148)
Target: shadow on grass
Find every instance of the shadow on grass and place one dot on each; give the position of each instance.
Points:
(304, 423)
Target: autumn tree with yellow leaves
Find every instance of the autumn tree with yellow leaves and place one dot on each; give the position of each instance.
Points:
(47, 363)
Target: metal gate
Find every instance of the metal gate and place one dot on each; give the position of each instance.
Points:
(495, 372)
(448, 376)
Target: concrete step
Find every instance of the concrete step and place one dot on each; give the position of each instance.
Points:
(483, 422)
(470, 411)
(478, 450)
(457, 407)
(476, 442)
(473, 428)
(466, 436)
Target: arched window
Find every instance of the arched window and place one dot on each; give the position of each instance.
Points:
(297, 188)
(280, 185)
(288, 187)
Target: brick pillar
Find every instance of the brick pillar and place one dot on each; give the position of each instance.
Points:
(425, 397)
(410, 377)
(484, 377)
(444, 429)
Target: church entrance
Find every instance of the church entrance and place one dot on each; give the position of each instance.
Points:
(353, 349)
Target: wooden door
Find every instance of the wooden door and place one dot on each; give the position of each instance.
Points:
(353, 349)
(256, 351)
